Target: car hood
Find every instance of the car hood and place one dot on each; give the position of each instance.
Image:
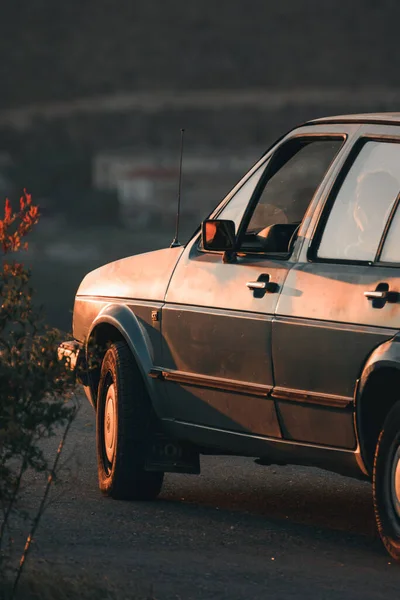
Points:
(143, 276)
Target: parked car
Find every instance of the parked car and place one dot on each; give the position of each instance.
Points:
(273, 333)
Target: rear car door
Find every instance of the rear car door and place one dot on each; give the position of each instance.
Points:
(216, 327)
(339, 302)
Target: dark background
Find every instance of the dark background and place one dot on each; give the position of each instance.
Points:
(60, 51)
(92, 78)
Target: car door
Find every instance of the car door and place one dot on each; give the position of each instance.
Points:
(334, 308)
(216, 323)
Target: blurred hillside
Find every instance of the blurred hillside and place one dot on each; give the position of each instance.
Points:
(94, 94)
(63, 50)
(83, 78)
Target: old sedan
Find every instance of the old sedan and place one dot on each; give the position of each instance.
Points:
(273, 333)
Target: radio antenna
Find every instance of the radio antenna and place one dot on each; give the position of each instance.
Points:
(175, 241)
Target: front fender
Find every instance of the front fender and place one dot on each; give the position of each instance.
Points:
(125, 321)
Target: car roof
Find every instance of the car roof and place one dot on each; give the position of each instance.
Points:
(380, 118)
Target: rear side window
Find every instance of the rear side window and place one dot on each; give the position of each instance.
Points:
(363, 203)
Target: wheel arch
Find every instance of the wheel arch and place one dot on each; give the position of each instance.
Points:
(377, 391)
(118, 323)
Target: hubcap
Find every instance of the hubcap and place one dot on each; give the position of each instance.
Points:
(396, 482)
(109, 424)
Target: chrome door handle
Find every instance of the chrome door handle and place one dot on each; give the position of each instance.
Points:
(262, 286)
(377, 295)
(257, 285)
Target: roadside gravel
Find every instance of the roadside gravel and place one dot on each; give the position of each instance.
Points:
(237, 531)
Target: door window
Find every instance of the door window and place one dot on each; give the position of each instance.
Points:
(363, 204)
(236, 207)
(270, 206)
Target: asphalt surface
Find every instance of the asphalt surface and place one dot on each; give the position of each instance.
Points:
(239, 530)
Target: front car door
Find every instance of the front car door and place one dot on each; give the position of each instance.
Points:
(216, 327)
(330, 315)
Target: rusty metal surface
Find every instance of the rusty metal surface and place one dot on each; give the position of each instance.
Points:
(323, 310)
(144, 276)
(305, 344)
(213, 324)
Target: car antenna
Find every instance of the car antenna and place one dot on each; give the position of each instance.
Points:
(175, 241)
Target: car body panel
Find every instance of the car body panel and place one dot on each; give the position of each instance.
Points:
(322, 309)
(271, 451)
(386, 355)
(143, 276)
(134, 322)
(113, 295)
(279, 375)
(208, 306)
(380, 118)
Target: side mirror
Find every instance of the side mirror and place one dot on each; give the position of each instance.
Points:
(218, 235)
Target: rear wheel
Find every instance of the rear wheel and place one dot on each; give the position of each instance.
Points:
(386, 483)
(124, 429)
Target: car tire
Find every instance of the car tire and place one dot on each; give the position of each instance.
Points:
(386, 483)
(124, 427)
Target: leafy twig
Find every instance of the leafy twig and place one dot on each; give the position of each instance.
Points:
(41, 508)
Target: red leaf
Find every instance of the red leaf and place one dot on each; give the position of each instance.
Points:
(28, 197)
(8, 210)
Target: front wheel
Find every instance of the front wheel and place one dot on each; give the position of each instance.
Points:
(386, 483)
(124, 428)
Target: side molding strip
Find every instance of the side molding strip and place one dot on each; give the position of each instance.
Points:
(250, 389)
(229, 385)
(280, 393)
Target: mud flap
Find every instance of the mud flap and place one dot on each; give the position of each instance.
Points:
(172, 456)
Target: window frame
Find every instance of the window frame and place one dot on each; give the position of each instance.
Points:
(263, 181)
(382, 241)
(312, 253)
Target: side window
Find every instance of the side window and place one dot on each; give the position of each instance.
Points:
(284, 193)
(237, 205)
(363, 204)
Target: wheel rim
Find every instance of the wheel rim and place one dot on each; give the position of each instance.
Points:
(395, 482)
(109, 425)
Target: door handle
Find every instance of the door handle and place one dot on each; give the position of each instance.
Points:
(257, 285)
(262, 285)
(377, 295)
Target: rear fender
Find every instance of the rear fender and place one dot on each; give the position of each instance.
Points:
(387, 355)
(384, 357)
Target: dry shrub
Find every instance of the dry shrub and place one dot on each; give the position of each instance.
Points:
(36, 388)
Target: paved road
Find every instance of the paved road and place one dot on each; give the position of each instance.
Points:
(238, 530)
